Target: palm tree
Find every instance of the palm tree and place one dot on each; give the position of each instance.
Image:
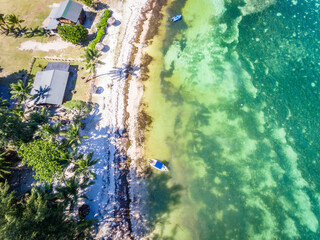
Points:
(41, 116)
(19, 112)
(72, 134)
(45, 190)
(5, 165)
(91, 56)
(20, 90)
(14, 20)
(70, 192)
(83, 163)
(2, 21)
(4, 103)
(49, 131)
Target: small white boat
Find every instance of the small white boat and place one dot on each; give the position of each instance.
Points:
(158, 165)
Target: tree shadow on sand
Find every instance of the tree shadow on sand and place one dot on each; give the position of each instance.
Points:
(122, 73)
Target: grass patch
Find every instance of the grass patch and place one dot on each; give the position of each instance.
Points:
(13, 60)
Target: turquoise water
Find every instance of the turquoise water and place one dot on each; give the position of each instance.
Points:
(234, 96)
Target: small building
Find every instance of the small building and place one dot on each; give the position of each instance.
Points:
(50, 85)
(68, 12)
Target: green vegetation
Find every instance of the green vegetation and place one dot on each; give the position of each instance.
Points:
(91, 58)
(101, 29)
(10, 21)
(75, 34)
(20, 90)
(15, 62)
(46, 158)
(72, 134)
(39, 215)
(43, 214)
(13, 131)
(5, 165)
(87, 2)
(78, 108)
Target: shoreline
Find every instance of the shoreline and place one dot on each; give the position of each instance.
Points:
(113, 126)
(137, 121)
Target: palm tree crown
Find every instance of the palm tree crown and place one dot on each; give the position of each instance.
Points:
(14, 20)
(91, 56)
(20, 90)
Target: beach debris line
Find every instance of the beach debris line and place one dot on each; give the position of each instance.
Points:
(158, 165)
(176, 18)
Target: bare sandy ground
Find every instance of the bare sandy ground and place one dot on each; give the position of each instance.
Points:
(57, 44)
(109, 128)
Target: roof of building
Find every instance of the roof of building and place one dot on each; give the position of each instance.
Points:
(49, 86)
(69, 10)
(62, 66)
(53, 24)
(54, 12)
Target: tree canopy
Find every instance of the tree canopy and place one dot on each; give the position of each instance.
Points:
(75, 34)
(78, 108)
(39, 215)
(45, 157)
(12, 129)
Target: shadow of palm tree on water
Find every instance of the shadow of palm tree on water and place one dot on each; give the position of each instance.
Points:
(162, 199)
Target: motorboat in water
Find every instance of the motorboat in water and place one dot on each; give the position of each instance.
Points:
(158, 165)
(176, 18)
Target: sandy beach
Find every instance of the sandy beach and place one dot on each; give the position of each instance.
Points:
(113, 125)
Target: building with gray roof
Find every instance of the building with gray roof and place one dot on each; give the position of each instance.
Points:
(50, 85)
(68, 12)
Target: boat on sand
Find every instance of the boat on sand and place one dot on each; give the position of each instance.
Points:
(158, 165)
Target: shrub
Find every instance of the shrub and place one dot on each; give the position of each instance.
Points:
(101, 26)
(75, 34)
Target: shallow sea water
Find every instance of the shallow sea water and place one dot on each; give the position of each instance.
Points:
(234, 97)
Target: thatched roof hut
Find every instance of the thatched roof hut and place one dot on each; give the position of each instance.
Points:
(112, 21)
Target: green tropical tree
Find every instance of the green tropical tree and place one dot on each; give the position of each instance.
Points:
(75, 34)
(70, 192)
(41, 116)
(5, 165)
(91, 58)
(78, 108)
(4, 103)
(3, 23)
(87, 2)
(13, 21)
(72, 134)
(83, 163)
(46, 158)
(38, 215)
(48, 131)
(20, 90)
(13, 130)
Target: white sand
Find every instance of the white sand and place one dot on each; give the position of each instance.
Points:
(106, 127)
(56, 45)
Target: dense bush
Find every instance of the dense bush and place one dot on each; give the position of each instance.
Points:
(75, 34)
(45, 157)
(101, 26)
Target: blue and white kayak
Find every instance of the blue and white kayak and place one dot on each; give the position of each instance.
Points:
(176, 18)
(158, 165)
